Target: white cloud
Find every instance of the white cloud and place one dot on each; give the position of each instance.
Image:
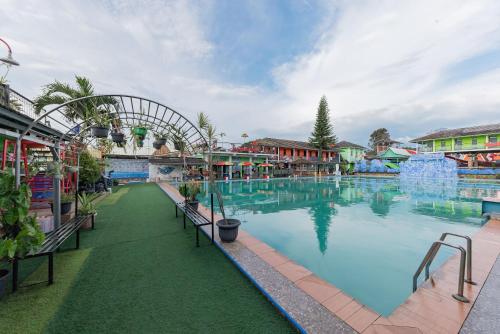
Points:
(379, 63)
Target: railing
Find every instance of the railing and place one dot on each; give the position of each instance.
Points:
(465, 256)
(469, 147)
(20, 103)
(425, 149)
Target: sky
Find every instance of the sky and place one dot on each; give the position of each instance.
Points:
(261, 67)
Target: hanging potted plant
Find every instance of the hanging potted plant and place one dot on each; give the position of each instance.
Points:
(118, 137)
(87, 208)
(20, 234)
(66, 202)
(102, 121)
(140, 131)
(160, 140)
(189, 191)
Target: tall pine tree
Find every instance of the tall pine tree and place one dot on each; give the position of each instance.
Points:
(322, 136)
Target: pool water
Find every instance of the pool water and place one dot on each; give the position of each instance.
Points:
(366, 236)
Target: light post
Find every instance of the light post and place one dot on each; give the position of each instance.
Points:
(8, 61)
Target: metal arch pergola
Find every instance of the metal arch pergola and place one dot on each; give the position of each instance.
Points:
(74, 119)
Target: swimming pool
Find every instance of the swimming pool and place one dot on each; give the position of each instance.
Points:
(364, 235)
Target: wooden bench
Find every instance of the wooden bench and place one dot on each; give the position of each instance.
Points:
(195, 217)
(53, 240)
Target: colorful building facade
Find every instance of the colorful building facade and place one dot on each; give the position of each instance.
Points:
(483, 138)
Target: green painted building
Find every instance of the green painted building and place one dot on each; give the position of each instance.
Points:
(349, 154)
(394, 154)
(483, 138)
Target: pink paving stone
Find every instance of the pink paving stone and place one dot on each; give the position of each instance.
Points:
(293, 271)
(317, 288)
(337, 302)
(347, 311)
(273, 258)
(260, 248)
(362, 318)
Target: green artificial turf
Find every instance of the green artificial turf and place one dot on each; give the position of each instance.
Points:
(145, 275)
(31, 308)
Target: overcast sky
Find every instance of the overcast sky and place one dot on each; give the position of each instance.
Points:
(260, 67)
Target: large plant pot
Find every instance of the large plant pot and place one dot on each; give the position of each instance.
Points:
(117, 137)
(99, 131)
(87, 225)
(228, 229)
(65, 207)
(4, 280)
(193, 204)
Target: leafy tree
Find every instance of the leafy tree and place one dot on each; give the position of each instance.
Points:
(322, 136)
(89, 168)
(377, 136)
(59, 93)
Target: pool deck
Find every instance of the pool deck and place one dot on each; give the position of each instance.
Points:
(320, 307)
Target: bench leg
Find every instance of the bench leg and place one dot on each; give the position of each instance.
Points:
(15, 271)
(51, 268)
(184, 220)
(78, 239)
(93, 221)
(197, 237)
(176, 214)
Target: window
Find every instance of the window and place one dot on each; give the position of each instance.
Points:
(458, 142)
(474, 141)
(443, 143)
(493, 139)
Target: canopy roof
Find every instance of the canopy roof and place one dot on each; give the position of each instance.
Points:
(461, 132)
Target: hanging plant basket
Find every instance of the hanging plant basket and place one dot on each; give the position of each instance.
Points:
(99, 131)
(117, 137)
(140, 132)
(158, 143)
(140, 142)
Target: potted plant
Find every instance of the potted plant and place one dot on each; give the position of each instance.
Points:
(118, 137)
(160, 140)
(228, 227)
(189, 191)
(20, 234)
(87, 208)
(102, 121)
(140, 131)
(66, 201)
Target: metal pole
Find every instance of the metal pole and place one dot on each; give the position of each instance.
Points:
(460, 295)
(18, 162)
(77, 181)
(212, 214)
(57, 189)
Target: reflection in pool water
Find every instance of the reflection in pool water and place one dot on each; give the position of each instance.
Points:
(364, 235)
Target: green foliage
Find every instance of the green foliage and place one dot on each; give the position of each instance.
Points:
(378, 136)
(67, 197)
(105, 146)
(89, 168)
(190, 190)
(90, 110)
(87, 206)
(19, 232)
(322, 136)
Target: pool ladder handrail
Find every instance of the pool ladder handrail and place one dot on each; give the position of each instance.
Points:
(465, 256)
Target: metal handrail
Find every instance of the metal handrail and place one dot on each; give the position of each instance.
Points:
(469, 256)
(430, 255)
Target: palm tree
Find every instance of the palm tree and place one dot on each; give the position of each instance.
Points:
(59, 93)
(210, 132)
